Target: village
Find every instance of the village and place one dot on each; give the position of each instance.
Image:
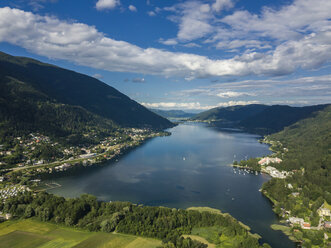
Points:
(268, 166)
(11, 191)
(37, 154)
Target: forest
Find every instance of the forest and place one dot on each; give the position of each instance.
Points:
(305, 150)
(162, 223)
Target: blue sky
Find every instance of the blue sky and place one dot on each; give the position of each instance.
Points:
(190, 55)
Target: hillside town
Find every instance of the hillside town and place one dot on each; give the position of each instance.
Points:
(37, 153)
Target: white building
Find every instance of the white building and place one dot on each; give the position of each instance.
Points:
(267, 160)
(296, 220)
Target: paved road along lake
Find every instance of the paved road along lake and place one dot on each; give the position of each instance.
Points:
(188, 168)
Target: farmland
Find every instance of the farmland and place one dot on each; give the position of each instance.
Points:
(32, 233)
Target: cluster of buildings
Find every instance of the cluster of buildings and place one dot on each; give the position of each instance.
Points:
(273, 172)
(12, 191)
(299, 221)
(268, 160)
(324, 212)
(5, 216)
(324, 222)
(62, 167)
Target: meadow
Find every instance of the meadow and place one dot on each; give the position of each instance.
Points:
(31, 233)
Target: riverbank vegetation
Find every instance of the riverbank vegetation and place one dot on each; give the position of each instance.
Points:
(166, 224)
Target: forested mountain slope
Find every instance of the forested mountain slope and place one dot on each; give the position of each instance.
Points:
(38, 97)
(256, 118)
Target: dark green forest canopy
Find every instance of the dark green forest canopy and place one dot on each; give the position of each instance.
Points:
(308, 155)
(38, 97)
(157, 222)
(257, 118)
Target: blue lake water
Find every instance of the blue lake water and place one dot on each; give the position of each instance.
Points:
(188, 168)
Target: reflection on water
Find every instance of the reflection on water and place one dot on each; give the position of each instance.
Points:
(188, 168)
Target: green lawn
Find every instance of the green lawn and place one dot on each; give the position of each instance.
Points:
(31, 233)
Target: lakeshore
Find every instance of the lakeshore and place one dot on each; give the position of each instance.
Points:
(188, 168)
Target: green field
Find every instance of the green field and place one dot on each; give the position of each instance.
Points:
(31, 233)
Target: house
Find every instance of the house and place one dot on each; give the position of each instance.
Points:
(8, 216)
(272, 171)
(63, 167)
(296, 221)
(305, 225)
(327, 224)
(323, 211)
(88, 155)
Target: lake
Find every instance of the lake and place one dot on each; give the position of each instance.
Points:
(188, 168)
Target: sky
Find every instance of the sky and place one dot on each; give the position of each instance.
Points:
(191, 55)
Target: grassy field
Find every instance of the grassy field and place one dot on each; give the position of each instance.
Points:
(326, 205)
(285, 229)
(200, 239)
(31, 233)
(212, 237)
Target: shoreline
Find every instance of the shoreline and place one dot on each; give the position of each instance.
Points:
(114, 158)
(280, 225)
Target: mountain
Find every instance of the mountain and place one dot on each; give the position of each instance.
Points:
(35, 96)
(308, 142)
(232, 114)
(276, 117)
(172, 113)
(305, 150)
(261, 119)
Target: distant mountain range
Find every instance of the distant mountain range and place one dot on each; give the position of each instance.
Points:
(257, 118)
(35, 96)
(172, 113)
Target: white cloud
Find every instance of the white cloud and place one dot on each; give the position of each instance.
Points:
(138, 80)
(151, 13)
(191, 44)
(173, 105)
(302, 90)
(107, 4)
(222, 4)
(235, 103)
(97, 75)
(242, 29)
(193, 20)
(231, 94)
(132, 8)
(85, 45)
(39, 4)
(234, 44)
(213, 91)
(194, 105)
(168, 42)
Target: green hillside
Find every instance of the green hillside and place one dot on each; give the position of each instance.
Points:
(232, 114)
(256, 118)
(38, 97)
(309, 146)
(305, 148)
(172, 113)
(275, 118)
